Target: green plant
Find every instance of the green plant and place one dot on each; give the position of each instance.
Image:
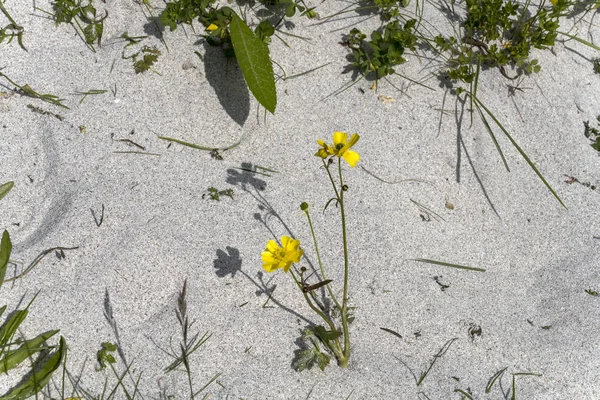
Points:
(276, 256)
(15, 350)
(28, 91)
(225, 28)
(83, 18)
(11, 30)
(215, 194)
(593, 133)
(149, 56)
(127, 382)
(497, 378)
(384, 51)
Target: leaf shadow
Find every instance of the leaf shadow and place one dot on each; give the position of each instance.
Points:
(225, 77)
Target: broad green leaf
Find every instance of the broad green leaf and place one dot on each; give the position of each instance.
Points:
(5, 249)
(39, 379)
(5, 188)
(13, 358)
(252, 55)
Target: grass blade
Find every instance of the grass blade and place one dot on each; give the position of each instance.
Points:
(195, 146)
(426, 260)
(38, 379)
(439, 354)
(5, 250)
(580, 40)
(493, 379)
(520, 151)
(13, 358)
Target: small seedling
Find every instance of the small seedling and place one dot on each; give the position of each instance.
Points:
(215, 194)
(12, 30)
(593, 133)
(89, 92)
(595, 64)
(147, 57)
(28, 91)
(592, 292)
(83, 18)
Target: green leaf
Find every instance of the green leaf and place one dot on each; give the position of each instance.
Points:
(322, 360)
(5, 188)
(252, 55)
(306, 359)
(13, 358)
(11, 326)
(326, 335)
(40, 378)
(5, 250)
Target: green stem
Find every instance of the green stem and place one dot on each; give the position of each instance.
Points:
(345, 298)
(338, 349)
(337, 195)
(312, 231)
(311, 305)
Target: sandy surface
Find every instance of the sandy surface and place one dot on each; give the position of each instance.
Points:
(158, 230)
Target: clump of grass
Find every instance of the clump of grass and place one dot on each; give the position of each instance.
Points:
(14, 350)
(511, 392)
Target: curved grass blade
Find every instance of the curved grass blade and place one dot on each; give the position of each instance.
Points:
(494, 378)
(426, 260)
(252, 55)
(538, 173)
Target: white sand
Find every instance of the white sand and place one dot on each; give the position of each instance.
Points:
(158, 230)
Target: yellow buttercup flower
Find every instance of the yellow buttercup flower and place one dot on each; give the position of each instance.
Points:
(275, 257)
(340, 148)
(212, 27)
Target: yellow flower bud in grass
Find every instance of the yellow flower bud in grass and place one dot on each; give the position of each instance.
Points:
(212, 27)
(340, 148)
(554, 2)
(275, 257)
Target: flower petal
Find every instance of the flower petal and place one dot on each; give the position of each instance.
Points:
(339, 138)
(351, 157)
(272, 246)
(270, 267)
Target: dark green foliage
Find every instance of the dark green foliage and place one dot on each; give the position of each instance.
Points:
(144, 59)
(593, 133)
(499, 34)
(313, 354)
(11, 30)
(74, 13)
(379, 55)
(104, 357)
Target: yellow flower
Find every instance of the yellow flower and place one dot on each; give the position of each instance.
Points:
(340, 148)
(212, 27)
(275, 257)
(554, 2)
